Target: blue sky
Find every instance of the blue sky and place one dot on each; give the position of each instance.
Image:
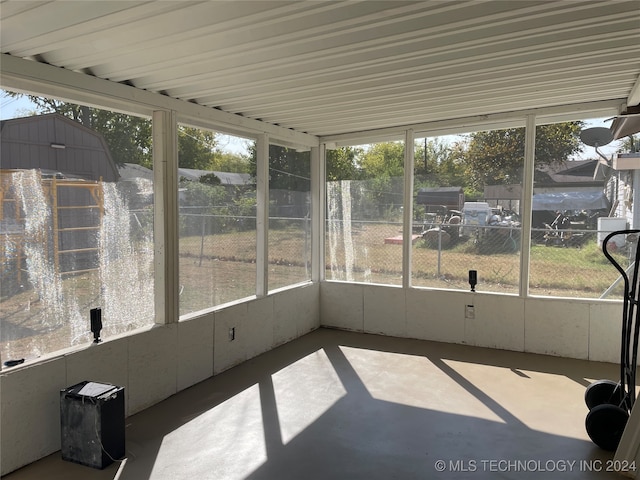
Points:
(11, 107)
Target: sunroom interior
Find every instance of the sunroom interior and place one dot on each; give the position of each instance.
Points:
(314, 80)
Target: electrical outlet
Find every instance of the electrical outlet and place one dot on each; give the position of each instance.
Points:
(469, 312)
(232, 334)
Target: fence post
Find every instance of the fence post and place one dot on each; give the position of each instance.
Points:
(202, 237)
(307, 221)
(439, 247)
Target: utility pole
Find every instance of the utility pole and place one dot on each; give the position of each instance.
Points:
(425, 155)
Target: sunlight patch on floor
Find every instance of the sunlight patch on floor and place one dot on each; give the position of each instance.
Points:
(304, 391)
(415, 381)
(540, 400)
(220, 443)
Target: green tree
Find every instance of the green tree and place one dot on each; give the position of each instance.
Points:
(341, 164)
(382, 160)
(497, 156)
(195, 148)
(201, 194)
(438, 163)
(128, 137)
(630, 144)
(288, 169)
(230, 162)
(429, 155)
(451, 171)
(382, 169)
(210, 179)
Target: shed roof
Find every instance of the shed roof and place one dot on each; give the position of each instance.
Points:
(53, 142)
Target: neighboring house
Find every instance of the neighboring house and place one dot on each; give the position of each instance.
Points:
(569, 185)
(625, 180)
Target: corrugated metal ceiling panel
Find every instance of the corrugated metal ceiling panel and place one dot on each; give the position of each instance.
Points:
(335, 67)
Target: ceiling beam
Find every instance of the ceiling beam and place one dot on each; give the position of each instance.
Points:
(546, 115)
(634, 94)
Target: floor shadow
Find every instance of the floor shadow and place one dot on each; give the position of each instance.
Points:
(236, 418)
(361, 437)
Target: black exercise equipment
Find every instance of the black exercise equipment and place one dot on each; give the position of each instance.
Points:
(610, 402)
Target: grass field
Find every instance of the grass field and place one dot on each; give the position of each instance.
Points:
(572, 272)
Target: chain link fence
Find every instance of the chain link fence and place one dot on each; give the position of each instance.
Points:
(566, 264)
(218, 255)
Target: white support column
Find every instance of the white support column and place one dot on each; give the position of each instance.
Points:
(635, 212)
(526, 201)
(262, 215)
(318, 192)
(165, 216)
(407, 217)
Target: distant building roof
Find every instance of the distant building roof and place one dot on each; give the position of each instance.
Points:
(574, 171)
(450, 197)
(229, 178)
(129, 171)
(226, 178)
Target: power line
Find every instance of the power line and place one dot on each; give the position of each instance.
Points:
(288, 173)
(8, 102)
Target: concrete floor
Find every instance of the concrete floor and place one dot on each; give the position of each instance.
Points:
(341, 405)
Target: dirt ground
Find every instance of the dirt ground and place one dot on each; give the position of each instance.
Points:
(25, 332)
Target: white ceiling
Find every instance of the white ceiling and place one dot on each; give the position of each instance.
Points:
(329, 67)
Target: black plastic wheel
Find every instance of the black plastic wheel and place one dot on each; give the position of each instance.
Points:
(605, 424)
(603, 391)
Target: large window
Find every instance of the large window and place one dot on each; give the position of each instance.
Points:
(76, 226)
(578, 198)
(466, 215)
(364, 213)
(289, 217)
(217, 219)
